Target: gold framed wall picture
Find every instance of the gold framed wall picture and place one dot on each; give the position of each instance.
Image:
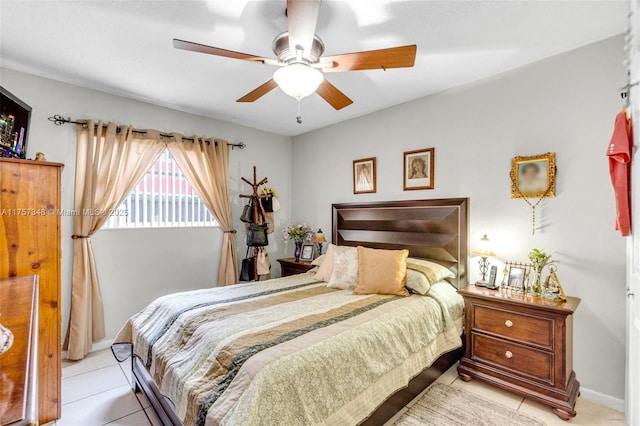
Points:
(418, 169)
(533, 176)
(364, 175)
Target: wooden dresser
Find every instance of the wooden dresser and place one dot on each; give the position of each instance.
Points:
(30, 244)
(289, 266)
(521, 343)
(18, 366)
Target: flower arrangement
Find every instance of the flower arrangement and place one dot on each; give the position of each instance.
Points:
(298, 233)
(540, 259)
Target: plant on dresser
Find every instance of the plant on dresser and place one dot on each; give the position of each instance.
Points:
(522, 343)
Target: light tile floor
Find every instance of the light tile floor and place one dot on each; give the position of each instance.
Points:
(97, 391)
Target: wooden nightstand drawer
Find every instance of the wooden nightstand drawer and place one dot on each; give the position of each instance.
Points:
(521, 360)
(516, 326)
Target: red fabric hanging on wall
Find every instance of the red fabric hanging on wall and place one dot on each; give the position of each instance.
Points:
(619, 153)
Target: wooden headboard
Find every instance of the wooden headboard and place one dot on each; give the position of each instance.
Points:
(431, 229)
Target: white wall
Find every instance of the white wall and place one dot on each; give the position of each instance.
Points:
(136, 266)
(564, 104)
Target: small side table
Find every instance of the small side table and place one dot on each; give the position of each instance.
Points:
(521, 343)
(291, 267)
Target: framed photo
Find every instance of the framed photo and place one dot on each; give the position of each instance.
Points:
(364, 176)
(308, 251)
(534, 176)
(516, 277)
(418, 169)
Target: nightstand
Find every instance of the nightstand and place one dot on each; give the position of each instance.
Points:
(291, 267)
(521, 343)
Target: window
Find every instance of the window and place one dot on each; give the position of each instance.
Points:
(163, 198)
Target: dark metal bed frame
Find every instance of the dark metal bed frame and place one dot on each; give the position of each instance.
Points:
(434, 229)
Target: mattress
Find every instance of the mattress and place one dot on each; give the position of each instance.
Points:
(289, 350)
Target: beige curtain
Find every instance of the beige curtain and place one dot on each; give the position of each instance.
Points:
(109, 162)
(205, 164)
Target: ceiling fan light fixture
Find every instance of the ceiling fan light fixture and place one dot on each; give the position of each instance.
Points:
(298, 80)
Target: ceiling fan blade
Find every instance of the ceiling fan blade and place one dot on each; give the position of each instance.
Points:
(210, 50)
(394, 57)
(333, 96)
(259, 92)
(302, 17)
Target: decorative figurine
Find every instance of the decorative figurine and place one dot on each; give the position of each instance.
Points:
(552, 287)
(40, 156)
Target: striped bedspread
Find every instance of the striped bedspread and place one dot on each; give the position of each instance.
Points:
(290, 350)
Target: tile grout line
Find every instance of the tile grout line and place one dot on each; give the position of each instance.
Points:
(94, 394)
(88, 371)
(120, 418)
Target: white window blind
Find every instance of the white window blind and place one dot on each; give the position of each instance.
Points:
(163, 198)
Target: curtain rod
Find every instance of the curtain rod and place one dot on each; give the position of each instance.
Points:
(60, 120)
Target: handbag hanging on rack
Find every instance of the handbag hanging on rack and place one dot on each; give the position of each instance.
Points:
(247, 212)
(247, 273)
(264, 264)
(257, 235)
(267, 218)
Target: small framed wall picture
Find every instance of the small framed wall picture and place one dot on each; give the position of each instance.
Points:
(364, 176)
(516, 278)
(418, 169)
(307, 253)
(533, 176)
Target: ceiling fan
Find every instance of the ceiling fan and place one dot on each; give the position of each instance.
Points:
(300, 61)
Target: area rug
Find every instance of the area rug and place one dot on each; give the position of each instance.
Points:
(447, 405)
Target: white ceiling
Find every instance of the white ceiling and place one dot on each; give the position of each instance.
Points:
(125, 47)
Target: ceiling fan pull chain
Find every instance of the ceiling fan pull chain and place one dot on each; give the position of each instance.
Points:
(299, 117)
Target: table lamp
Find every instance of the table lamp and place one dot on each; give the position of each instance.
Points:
(319, 239)
(484, 251)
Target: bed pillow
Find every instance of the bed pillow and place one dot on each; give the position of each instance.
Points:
(345, 268)
(325, 269)
(318, 260)
(382, 271)
(434, 271)
(417, 280)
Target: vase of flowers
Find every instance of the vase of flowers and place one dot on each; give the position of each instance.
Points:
(539, 260)
(299, 233)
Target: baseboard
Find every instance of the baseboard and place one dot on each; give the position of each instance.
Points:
(95, 347)
(601, 398)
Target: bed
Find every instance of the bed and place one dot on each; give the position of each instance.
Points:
(291, 350)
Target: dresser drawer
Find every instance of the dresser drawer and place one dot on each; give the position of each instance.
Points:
(536, 330)
(521, 360)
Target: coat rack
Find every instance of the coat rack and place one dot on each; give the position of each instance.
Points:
(256, 199)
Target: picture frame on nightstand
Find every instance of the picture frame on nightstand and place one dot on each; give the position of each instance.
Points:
(516, 277)
(308, 252)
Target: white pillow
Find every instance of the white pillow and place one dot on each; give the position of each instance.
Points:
(318, 260)
(345, 268)
(439, 272)
(417, 282)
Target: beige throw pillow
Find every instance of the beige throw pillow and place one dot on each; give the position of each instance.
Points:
(382, 271)
(325, 269)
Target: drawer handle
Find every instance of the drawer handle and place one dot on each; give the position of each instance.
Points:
(508, 323)
(508, 354)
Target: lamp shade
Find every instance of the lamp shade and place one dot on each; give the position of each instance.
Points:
(484, 248)
(319, 238)
(298, 80)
